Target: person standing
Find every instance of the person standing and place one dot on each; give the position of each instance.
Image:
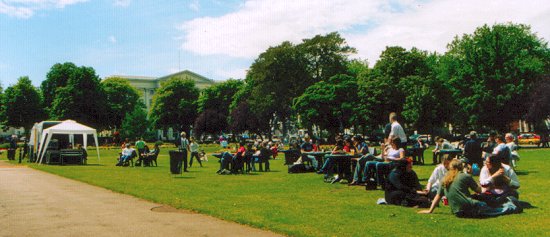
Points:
(398, 131)
(194, 148)
(140, 146)
(184, 147)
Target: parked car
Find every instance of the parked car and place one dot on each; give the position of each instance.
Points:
(529, 138)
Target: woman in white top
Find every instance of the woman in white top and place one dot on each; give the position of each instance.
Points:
(393, 153)
(194, 147)
(434, 182)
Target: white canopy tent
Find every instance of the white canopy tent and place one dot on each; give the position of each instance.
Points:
(67, 127)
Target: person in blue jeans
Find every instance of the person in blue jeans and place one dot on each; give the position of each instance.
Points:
(390, 154)
(307, 146)
(456, 187)
(328, 166)
(363, 149)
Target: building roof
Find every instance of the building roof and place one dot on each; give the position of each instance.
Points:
(133, 77)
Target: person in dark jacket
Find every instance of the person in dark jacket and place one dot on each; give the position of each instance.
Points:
(472, 150)
(403, 188)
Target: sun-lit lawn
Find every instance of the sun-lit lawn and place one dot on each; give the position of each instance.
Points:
(303, 205)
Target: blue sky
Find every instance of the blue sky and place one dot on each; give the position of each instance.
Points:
(220, 39)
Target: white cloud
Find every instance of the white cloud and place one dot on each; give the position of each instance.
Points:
(433, 25)
(259, 24)
(112, 39)
(369, 26)
(122, 3)
(27, 8)
(194, 5)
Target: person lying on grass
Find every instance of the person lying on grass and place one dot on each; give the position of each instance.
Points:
(456, 186)
(403, 188)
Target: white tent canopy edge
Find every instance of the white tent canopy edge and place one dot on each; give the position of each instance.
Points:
(67, 127)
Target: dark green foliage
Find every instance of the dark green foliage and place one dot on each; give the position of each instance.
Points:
(492, 71)
(81, 98)
(22, 104)
(380, 91)
(209, 121)
(120, 97)
(219, 97)
(135, 123)
(174, 104)
(539, 105)
(329, 104)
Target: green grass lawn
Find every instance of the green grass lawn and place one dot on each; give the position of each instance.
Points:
(303, 205)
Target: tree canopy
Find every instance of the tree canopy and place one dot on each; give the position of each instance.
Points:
(174, 104)
(81, 99)
(491, 72)
(120, 97)
(22, 104)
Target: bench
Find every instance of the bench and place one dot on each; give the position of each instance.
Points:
(71, 156)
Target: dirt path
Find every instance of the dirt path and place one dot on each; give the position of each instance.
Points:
(35, 203)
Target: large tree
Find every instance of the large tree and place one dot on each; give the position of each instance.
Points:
(81, 99)
(219, 96)
(326, 55)
(491, 72)
(121, 98)
(22, 104)
(174, 104)
(379, 89)
(57, 77)
(277, 76)
(135, 123)
(209, 121)
(539, 105)
(328, 104)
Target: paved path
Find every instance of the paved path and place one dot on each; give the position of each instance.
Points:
(35, 203)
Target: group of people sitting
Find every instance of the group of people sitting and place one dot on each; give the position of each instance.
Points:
(146, 156)
(246, 157)
(392, 171)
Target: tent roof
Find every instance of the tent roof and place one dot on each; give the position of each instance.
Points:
(70, 127)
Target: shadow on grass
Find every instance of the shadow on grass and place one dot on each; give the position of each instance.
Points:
(526, 172)
(183, 177)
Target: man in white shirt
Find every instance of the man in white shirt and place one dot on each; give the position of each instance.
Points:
(397, 131)
(498, 181)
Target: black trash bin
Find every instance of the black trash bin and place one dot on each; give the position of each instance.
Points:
(176, 158)
(11, 154)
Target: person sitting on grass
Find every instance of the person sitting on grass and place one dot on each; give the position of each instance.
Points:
(403, 188)
(434, 182)
(498, 181)
(455, 187)
(125, 155)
